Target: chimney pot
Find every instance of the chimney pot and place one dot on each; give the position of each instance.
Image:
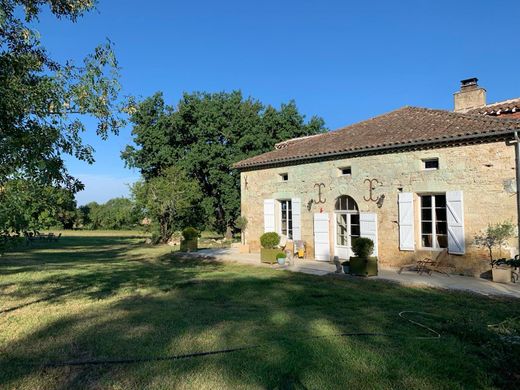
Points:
(470, 95)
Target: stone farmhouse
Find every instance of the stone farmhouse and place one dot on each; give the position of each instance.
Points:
(412, 179)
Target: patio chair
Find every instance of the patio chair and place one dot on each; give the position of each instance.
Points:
(420, 257)
(299, 245)
(440, 264)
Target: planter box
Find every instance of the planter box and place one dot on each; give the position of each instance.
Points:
(244, 248)
(363, 267)
(268, 255)
(189, 245)
(501, 274)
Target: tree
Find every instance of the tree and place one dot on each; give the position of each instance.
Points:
(170, 200)
(495, 236)
(204, 135)
(26, 206)
(43, 102)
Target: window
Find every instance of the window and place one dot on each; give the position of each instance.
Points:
(345, 171)
(434, 225)
(284, 176)
(347, 219)
(286, 218)
(430, 164)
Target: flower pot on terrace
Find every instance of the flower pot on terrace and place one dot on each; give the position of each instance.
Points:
(189, 245)
(268, 255)
(363, 266)
(281, 260)
(501, 274)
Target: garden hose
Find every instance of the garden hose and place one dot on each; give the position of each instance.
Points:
(433, 335)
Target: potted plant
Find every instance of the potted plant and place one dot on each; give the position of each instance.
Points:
(496, 236)
(280, 258)
(241, 223)
(190, 239)
(346, 266)
(269, 242)
(362, 264)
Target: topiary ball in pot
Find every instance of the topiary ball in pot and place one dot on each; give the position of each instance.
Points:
(363, 264)
(270, 240)
(269, 249)
(363, 247)
(189, 242)
(190, 233)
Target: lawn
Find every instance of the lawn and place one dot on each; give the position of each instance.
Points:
(105, 297)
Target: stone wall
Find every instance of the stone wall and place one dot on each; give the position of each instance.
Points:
(484, 172)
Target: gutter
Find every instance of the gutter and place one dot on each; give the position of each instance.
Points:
(467, 137)
(517, 171)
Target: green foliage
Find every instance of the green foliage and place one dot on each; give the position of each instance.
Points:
(495, 236)
(281, 255)
(28, 206)
(362, 247)
(270, 240)
(205, 134)
(117, 213)
(190, 233)
(241, 222)
(171, 200)
(44, 102)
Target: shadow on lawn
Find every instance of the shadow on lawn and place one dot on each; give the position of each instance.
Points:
(166, 306)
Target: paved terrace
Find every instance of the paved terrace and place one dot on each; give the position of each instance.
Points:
(453, 282)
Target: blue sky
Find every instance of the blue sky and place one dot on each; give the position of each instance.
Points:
(342, 60)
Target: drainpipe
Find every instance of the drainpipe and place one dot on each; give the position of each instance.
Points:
(517, 170)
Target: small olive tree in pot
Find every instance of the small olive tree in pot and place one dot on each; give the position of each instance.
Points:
(362, 264)
(495, 237)
(269, 250)
(241, 223)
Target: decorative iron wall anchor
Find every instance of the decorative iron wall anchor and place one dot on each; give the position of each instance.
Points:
(371, 187)
(320, 186)
(245, 183)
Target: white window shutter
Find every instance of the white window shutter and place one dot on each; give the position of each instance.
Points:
(268, 215)
(296, 218)
(406, 221)
(455, 211)
(321, 237)
(368, 228)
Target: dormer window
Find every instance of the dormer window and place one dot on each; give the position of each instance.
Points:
(345, 171)
(284, 176)
(430, 164)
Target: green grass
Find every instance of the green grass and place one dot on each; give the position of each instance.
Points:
(109, 296)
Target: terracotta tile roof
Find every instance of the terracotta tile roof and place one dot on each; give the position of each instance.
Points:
(505, 107)
(402, 128)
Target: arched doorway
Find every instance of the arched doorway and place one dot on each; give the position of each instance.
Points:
(346, 213)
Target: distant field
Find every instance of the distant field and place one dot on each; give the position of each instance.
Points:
(98, 296)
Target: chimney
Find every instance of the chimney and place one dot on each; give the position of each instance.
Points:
(470, 96)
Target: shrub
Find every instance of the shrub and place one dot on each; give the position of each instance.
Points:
(190, 233)
(269, 240)
(281, 255)
(363, 247)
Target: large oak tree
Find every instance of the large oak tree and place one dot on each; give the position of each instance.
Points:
(204, 135)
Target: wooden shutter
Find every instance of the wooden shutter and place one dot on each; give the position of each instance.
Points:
(368, 228)
(321, 237)
(268, 215)
(406, 219)
(296, 218)
(455, 211)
